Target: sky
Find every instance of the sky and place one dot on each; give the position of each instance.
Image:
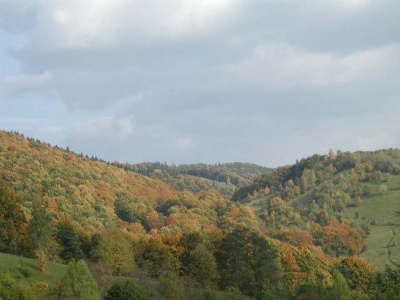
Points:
(188, 81)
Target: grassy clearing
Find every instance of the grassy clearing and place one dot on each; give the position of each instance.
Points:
(25, 270)
(258, 205)
(385, 209)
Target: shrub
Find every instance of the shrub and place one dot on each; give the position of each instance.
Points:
(383, 189)
(40, 288)
(25, 272)
(127, 290)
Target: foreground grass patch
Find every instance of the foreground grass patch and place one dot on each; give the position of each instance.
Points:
(25, 270)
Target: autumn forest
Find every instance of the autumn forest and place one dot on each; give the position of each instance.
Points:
(74, 226)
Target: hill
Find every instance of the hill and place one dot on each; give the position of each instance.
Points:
(58, 206)
(72, 184)
(383, 211)
(360, 189)
(225, 178)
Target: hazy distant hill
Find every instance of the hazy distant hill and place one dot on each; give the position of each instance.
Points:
(225, 178)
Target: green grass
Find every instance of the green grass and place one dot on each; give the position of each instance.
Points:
(14, 265)
(259, 204)
(386, 210)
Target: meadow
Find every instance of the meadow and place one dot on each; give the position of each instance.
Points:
(381, 247)
(25, 270)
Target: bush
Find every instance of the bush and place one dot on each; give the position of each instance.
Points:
(25, 272)
(40, 288)
(10, 289)
(383, 189)
(127, 290)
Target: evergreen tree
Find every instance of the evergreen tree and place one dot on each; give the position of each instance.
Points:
(69, 240)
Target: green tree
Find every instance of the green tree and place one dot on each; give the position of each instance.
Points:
(332, 155)
(171, 285)
(115, 251)
(153, 256)
(69, 240)
(201, 266)
(357, 272)
(38, 230)
(366, 190)
(39, 226)
(11, 290)
(357, 201)
(388, 285)
(340, 290)
(132, 210)
(12, 221)
(307, 180)
(248, 262)
(78, 283)
(315, 291)
(126, 290)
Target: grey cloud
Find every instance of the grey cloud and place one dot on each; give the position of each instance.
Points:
(253, 87)
(18, 15)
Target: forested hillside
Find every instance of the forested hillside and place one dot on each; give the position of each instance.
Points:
(288, 235)
(225, 178)
(351, 195)
(72, 185)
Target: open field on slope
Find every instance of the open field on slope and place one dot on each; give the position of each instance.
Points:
(385, 209)
(258, 205)
(18, 266)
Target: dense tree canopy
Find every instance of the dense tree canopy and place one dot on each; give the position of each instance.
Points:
(294, 240)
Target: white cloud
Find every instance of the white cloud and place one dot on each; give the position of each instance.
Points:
(378, 141)
(28, 81)
(354, 3)
(285, 66)
(202, 80)
(92, 24)
(184, 143)
(125, 127)
(105, 127)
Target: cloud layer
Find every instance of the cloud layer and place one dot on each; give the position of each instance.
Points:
(199, 80)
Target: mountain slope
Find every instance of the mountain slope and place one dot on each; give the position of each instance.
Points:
(134, 226)
(225, 178)
(72, 184)
(325, 194)
(383, 211)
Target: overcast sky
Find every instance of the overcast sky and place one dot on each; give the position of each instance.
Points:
(185, 81)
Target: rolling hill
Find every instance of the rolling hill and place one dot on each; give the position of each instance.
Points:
(72, 184)
(294, 232)
(362, 189)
